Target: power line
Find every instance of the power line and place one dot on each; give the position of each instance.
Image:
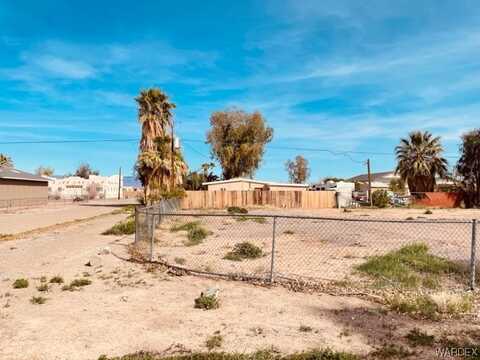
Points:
(346, 153)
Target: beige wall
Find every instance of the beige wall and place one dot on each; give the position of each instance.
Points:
(20, 192)
(245, 186)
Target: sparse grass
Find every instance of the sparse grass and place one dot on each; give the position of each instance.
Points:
(214, 341)
(433, 306)
(20, 284)
(185, 227)
(318, 354)
(257, 219)
(391, 351)
(196, 236)
(207, 302)
(416, 337)
(38, 300)
(244, 250)
(304, 328)
(409, 267)
(125, 227)
(6, 237)
(289, 232)
(180, 261)
(42, 287)
(76, 284)
(196, 233)
(236, 210)
(56, 280)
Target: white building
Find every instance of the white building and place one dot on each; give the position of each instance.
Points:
(95, 187)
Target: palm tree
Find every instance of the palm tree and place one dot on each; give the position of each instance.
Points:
(154, 114)
(420, 161)
(6, 161)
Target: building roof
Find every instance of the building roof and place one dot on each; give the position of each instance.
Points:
(385, 176)
(14, 174)
(270, 183)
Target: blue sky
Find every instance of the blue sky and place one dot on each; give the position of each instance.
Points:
(339, 75)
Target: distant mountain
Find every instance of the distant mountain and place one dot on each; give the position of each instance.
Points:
(131, 181)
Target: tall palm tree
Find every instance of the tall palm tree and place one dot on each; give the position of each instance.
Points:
(420, 161)
(6, 161)
(154, 115)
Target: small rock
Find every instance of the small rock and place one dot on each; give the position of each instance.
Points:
(105, 251)
(94, 261)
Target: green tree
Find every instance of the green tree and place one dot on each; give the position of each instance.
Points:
(298, 170)
(380, 198)
(237, 141)
(44, 170)
(84, 171)
(6, 161)
(468, 167)
(397, 186)
(194, 179)
(420, 161)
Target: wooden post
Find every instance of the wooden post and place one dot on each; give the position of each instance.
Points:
(369, 183)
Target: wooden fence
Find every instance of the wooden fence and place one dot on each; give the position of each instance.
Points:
(280, 199)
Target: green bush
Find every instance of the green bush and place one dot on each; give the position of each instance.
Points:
(20, 284)
(244, 250)
(236, 210)
(380, 198)
(195, 232)
(126, 227)
(207, 302)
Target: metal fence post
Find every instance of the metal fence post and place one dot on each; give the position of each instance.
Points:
(152, 235)
(473, 254)
(272, 264)
(136, 225)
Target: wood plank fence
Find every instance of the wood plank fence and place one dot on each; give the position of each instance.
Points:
(280, 199)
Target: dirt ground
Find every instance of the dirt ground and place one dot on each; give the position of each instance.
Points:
(25, 219)
(128, 307)
(317, 249)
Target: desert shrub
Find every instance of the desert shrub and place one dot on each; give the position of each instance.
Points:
(380, 198)
(180, 261)
(196, 233)
(244, 250)
(257, 219)
(411, 266)
(428, 212)
(214, 341)
(42, 287)
(56, 280)
(416, 337)
(304, 328)
(236, 210)
(185, 227)
(125, 227)
(43, 279)
(207, 302)
(391, 351)
(20, 284)
(76, 284)
(38, 300)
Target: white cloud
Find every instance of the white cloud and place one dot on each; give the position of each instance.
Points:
(64, 68)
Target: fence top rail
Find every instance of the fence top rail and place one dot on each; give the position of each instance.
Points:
(421, 221)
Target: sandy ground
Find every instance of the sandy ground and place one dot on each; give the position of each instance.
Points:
(317, 249)
(127, 308)
(21, 220)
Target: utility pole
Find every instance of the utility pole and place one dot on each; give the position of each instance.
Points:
(119, 182)
(369, 183)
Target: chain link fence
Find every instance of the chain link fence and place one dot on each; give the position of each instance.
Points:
(275, 247)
